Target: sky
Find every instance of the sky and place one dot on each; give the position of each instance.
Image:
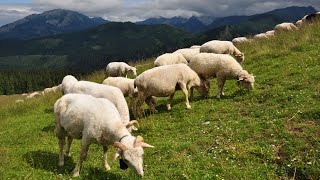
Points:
(137, 10)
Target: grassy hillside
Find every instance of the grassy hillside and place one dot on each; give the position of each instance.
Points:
(272, 132)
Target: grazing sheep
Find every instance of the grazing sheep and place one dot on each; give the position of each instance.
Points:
(195, 47)
(260, 36)
(299, 23)
(163, 81)
(222, 67)
(270, 33)
(115, 69)
(95, 120)
(188, 52)
(240, 40)
(170, 58)
(222, 47)
(285, 27)
(71, 85)
(33, 95)
(312, 17)
(24, 94)
(126, 85)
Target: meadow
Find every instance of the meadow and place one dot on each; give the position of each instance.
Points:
(272, 132)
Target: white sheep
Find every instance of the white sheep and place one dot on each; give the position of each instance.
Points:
(222, 47)
(115, 69)
(240, 40)
(170, 58)
(188, 52)
(285, 27)
(95, 120)
(33, 95)
(163, 81)
(222, 67)
(270, 33)
(299, 23)
(71, 85)
(260, 36)
(195, 47)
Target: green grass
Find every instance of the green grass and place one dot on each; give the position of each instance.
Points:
(272, 132)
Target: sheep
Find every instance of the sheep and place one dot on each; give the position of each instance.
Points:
(95, 120)
(285, 27)
(195, 47)
(188, 52)
(115, 69)
(170, 58)
(126, 85)
(33, 95)
(299, 23)
(222, 67)
(71, 85)
(270, 33)
(222, 47)
(312, 17)
(163, 81)
(240, 40)
(260, 36)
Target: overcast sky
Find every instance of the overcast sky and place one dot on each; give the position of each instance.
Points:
(136, 10)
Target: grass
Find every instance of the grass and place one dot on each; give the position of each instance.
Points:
(272, 132)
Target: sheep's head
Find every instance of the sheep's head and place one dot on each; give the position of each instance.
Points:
(133, 157)
(133, 71)
(67, 82)
(246, 80)
(239, 57)
(204, 87)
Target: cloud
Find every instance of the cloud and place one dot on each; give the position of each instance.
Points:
(136, 10)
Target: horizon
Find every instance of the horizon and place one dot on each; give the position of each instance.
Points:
(139, 10)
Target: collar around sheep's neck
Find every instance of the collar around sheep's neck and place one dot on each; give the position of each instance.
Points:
(123, 137)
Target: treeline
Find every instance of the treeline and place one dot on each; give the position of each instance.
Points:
(18, 82)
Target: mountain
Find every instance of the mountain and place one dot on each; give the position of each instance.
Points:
(289, 14)
(192, 24)
(92, 49)
(48, 23)
(229, 27)
(205, 23)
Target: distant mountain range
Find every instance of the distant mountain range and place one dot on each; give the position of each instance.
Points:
(201, 24)
(49, 23)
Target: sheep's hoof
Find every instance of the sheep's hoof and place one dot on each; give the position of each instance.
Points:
(68, 154)
(188, 107)
(169, 107)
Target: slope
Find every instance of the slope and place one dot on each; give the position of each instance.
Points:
(272, 132)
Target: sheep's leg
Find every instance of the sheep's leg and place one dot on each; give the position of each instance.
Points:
(169, 101)
(191, 92)
(105, 163)
(137, 105)
(151, 102)
(83, 156)
(220, 82)
(69, 142)
(61, 146)
(185, 92)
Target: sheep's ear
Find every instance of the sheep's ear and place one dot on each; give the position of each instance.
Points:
(131, 124)
(145, 145)
(120, 146)
(139, 142)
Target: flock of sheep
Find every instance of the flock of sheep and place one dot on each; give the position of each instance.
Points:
(99, 113)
